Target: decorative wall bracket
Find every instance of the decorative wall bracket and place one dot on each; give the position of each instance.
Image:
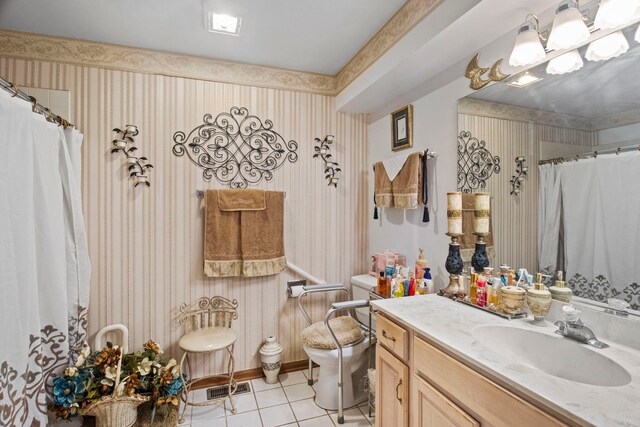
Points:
(474, 73)
(476, 164)
(323, 150)
(236, 148)
(138, 166)
(521, 174)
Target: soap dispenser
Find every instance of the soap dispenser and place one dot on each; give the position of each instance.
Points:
(539, 300)
(421, 264)
(559, 291)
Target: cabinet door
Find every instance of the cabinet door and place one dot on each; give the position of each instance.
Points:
(430, 408)
(392, 390)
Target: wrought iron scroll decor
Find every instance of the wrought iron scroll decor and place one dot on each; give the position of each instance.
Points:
(236, 148)
(521, 174)
(322, 149)
(138, 166)
(476, 164)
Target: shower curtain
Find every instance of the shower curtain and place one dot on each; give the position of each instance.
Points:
(44, 264)
(600, 204)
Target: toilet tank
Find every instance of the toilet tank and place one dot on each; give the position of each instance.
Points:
(360, 287)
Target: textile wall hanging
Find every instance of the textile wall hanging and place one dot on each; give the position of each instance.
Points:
(236, 148)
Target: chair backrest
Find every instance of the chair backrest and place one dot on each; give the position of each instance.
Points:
(208, 312)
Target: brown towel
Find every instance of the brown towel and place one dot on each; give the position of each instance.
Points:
(243, 242)
(241, 200)
(405, 191)
(468, 239)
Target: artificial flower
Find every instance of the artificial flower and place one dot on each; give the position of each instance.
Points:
(110, 376)
(173, 400)
(153, 346)
(174, 388)
(146, 365)
(108, 357)
(65, 390)
(82, 357)
(132, 384)
(166, 378)
(172, 366)
(70, 372)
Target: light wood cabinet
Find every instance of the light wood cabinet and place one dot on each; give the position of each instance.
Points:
(430, 408)
(392, 390)
(444, 390)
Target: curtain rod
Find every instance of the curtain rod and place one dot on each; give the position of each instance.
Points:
(36, 107)
(593, 154)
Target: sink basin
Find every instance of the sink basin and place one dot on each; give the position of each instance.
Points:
(554, 355)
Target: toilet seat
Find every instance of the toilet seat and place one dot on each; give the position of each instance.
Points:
(346, 329)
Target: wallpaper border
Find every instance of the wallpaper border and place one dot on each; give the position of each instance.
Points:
(21, 45)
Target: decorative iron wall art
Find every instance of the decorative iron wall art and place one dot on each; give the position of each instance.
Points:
(476, 164)
(331, 169)
(521, 174)
(138, 166)
(236, 148)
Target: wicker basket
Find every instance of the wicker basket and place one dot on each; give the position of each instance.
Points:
(116, 410)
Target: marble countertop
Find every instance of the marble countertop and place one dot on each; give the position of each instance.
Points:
(450, 325)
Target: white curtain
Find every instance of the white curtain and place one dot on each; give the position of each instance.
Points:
(44, 265)
(549, 217)
(599, 205)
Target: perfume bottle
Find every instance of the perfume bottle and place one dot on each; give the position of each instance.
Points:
(481, 296)
(473, 288)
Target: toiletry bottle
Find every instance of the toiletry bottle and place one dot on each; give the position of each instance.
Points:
(421, 264)
(382, 284)
(473, 289)
(387, 288)
(482, 294)
(407, 287)
(495, 296)
(559, 291)
(488, 280)
(428, 281)
(412, 287)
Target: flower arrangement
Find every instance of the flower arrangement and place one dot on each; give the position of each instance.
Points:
(144, 373)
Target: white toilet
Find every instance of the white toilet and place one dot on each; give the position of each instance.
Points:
(354, 359)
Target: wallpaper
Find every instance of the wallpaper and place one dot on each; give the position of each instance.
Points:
(146, 243)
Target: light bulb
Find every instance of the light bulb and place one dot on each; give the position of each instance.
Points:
(569, 30)
(607, 47)
(527, 48)
(570, 61)
(614, 13)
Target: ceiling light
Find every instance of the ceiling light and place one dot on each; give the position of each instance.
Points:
(569, 30)
(524, 79)
(614, 13)
(224, 24)
(570, 61)
(527, 48)
(607, 47)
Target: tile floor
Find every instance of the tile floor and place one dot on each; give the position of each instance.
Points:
(287, 403)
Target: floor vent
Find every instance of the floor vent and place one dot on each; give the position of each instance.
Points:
(223, 390)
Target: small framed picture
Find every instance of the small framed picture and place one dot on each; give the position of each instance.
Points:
(402, 128)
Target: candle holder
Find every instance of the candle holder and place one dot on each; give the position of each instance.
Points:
(480, 259)
(454, 266)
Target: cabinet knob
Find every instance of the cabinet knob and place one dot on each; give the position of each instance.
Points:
(398, 391)
(384, 334)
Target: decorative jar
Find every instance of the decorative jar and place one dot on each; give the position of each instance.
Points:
(271, 358)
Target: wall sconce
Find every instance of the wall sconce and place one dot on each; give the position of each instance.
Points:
(607, 47)
(124, 143)
(323, 150)
(521, 173)
(566, 63)
(528, 47)
(569, 29)
(615, 13)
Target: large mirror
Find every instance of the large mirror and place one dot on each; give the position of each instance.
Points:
(560, 155)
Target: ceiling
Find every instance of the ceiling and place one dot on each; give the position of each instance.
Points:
(305, 35)
(597, 90)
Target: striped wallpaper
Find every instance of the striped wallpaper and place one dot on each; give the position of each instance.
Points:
(515, 218)
(146, 243)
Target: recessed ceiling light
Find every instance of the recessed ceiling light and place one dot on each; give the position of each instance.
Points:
(224, 24)
(524, 79)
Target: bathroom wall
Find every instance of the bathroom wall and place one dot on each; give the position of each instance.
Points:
(146, 243)
(511, 132)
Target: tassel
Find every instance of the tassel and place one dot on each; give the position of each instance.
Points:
(375, 212)
(425, 215)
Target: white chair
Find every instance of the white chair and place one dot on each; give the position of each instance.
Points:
(339, 346)
(208, 325)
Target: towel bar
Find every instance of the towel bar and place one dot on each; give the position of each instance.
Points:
(200, 193)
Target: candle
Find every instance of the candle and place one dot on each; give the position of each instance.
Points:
(482, 213)
(120, 143)
(132, 129)
(454, 212)
(131, 160)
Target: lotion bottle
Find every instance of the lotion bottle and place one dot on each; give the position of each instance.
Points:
(421, 264)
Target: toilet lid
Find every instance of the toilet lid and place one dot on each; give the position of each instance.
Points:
(346, 329)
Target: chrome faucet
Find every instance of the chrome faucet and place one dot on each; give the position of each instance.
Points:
(576, 330)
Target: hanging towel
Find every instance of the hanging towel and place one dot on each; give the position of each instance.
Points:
(383, 190)
(244, 233)
(394, 164)
(468, 239)
(406, 189)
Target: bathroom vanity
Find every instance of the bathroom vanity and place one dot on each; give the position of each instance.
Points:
(441, 363)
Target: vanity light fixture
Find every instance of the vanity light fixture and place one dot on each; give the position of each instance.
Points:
(528, 47)
(524, 79)
(224, 24)
(637, 36)
(569, 29)
(567, 63)
(607, 47)
(614, 13)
